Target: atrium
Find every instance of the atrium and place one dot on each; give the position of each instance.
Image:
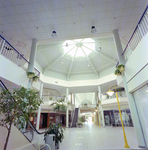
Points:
(74, 48)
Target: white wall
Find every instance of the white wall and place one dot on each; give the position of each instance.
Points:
(64, 83)
(15, 74)
(136, 68)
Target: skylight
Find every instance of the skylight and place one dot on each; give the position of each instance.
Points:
(79, 47)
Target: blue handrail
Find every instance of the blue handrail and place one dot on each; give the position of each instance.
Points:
(133, 33)
(135, 28)
(19, 53)
(15, 49)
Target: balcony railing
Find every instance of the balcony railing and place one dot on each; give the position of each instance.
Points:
(9, 52)
(139, 32)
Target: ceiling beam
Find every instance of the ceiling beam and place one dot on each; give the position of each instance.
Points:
(103, 55)
(71, 64)
(48, 47)
(92, 66)
(42, 57)
(56, 60)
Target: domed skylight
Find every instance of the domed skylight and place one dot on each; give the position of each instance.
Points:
(79, 47)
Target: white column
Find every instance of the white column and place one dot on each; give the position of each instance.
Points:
(39, 110)
(74, 97)
(32, 60)
(100, 106)
(134, 113)
(67, 111)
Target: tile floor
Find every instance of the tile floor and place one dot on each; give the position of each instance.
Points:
(93, 137)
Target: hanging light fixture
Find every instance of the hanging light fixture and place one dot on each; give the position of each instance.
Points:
(54, 34)
(93, 29)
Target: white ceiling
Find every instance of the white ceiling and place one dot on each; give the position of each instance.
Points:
(23, 20)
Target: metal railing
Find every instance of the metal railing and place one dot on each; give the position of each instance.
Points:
(9, 52)
(138, 34)
(52, 98)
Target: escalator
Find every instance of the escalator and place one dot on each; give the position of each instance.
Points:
(30, 131)
(75, 118)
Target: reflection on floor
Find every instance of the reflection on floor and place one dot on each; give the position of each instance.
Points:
(93, 137)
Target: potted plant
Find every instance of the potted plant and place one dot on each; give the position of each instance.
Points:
(30, 75)
(35, 78)
(68, 103)
(121, 67)
(99, 101)
(50, 98)
(80, 124)
(85, 105)
(117, 72)
(57, 130)
(16, 107)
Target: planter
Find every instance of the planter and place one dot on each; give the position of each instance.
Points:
(122, 69)
(50, 140)
(117, 72)
(30, 75)
(79, 126)
(35, 78)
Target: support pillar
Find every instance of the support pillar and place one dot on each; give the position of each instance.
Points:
(39, 110)
(100, 106)
(67, 110)
(32, 60)
(132, 105)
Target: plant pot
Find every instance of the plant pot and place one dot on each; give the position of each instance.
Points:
(118, 74)
(50, 140)
(79, 126)
(30, 76)
(122, 69)
(35, 79)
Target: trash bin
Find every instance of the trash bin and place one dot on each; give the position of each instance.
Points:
(50, 140)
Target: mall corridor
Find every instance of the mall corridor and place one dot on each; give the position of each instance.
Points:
(93, 137)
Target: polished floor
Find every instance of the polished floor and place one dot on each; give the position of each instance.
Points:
(93, 137)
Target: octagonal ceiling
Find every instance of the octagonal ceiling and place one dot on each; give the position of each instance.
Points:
(23, 20)
(88, 56)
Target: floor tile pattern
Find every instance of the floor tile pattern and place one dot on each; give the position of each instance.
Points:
(93, 137)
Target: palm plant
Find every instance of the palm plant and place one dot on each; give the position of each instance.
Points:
(59, 106)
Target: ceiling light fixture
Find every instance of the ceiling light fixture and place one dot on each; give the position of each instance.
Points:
(54, 34)
(66, 44)
(93, 29)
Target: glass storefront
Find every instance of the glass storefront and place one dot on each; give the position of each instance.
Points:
(141, 101)
(112, 118)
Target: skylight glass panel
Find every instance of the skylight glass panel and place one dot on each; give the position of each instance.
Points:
(79, 47)
(80, 53)
(90, 46)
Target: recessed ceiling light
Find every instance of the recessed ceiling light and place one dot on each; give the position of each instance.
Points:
(147, 91)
